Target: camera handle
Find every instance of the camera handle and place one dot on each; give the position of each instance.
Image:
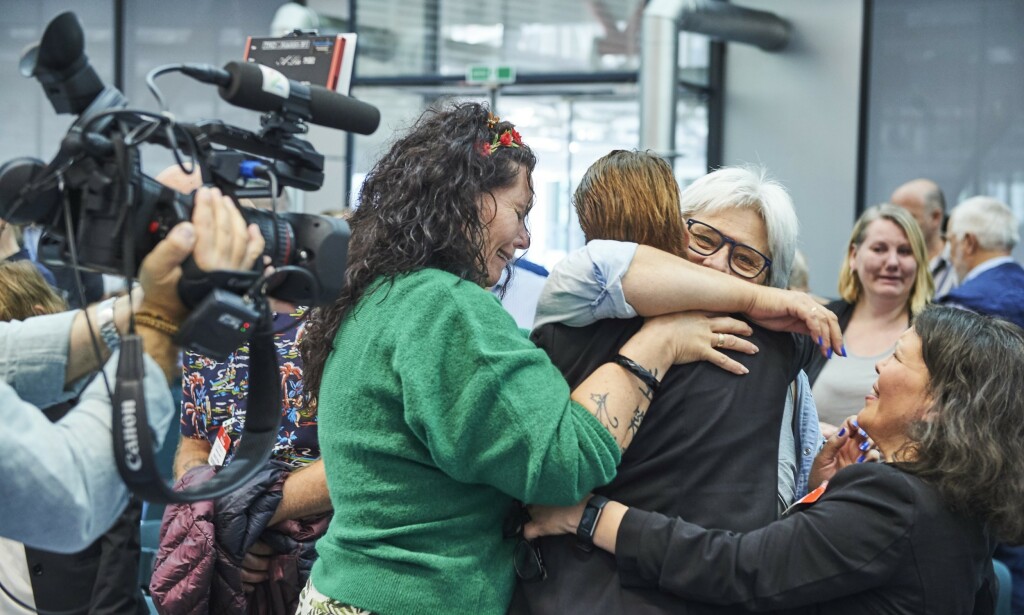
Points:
(133, 444)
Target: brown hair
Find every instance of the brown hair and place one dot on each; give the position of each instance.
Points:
(23, 289)
(969, 444)
(632, 196)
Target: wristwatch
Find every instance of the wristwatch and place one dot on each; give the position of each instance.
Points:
(588, 522)
(105, 320)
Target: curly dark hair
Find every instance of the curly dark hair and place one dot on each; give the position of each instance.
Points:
(418, 208)
(969, 446)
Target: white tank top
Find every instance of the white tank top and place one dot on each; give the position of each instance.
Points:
(842, 384)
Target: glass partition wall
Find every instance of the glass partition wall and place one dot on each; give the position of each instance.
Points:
(574, 99)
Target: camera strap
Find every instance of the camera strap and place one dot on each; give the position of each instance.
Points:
(133, 441)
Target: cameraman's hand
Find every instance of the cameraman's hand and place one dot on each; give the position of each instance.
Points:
(218, 240)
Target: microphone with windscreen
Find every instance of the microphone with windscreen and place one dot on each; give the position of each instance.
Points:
(261, 88)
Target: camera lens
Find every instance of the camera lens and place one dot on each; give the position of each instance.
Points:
(277, 233)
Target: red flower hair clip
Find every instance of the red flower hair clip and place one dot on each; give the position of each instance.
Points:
(507, 138)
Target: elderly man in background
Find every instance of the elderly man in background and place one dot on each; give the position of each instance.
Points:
(982, 233)
(924, 200)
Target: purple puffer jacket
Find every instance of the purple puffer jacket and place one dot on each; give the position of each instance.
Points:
(198, 566)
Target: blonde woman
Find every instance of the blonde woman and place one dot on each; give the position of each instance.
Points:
(26, 292)
(884, 284)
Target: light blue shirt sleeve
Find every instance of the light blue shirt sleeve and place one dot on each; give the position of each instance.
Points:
(586, 286)
(34, 358)
(60, 484)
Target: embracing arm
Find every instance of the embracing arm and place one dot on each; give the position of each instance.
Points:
(619, 398)
(852, 535)
(608, 279)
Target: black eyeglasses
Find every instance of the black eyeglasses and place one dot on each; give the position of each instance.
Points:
(744, 261)
(526, 557)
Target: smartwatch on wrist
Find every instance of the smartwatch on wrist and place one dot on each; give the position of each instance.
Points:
(588, 522)
(105, 320)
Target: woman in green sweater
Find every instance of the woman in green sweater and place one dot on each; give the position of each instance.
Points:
(436, 412)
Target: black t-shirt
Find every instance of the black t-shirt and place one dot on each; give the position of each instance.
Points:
(706, 451)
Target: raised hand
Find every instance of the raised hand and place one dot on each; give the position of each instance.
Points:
(849, 445)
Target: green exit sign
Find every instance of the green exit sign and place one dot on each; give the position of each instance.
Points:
(490, 74)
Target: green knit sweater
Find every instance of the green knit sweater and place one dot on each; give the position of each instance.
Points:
(435, 413)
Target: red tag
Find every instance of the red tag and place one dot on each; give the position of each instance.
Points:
(220, 448)
(813, 496)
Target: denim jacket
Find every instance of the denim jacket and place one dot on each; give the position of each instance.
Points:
(60, 484)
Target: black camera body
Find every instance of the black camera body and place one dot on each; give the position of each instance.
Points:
(102, 213)
(93, 197)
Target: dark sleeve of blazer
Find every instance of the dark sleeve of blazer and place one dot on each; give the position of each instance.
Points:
(807, 349)
(844, 544)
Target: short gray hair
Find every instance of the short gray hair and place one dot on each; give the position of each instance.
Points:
(750, 188)
(990, 221)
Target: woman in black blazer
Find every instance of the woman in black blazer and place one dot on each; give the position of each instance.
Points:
(912, 535)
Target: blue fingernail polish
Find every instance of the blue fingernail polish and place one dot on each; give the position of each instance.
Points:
(830, 353)
(820, 343)
(842, 432)
(863, 433)
(855, 423)
(842, 350)
(860, 459)
(865, 446)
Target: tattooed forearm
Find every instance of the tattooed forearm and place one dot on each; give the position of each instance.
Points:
(601, 412)
(634, 423)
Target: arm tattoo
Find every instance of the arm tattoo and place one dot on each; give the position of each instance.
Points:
(601, 399)
(634, 423)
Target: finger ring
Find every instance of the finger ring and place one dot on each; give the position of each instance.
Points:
(721, 340)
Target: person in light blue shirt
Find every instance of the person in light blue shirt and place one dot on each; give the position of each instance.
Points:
(60, 484)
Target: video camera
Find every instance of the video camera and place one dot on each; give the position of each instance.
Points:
(105, 215)
(94, 189)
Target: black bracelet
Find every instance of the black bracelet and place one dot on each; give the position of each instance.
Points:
(639, 371)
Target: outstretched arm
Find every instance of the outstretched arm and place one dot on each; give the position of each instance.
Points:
(855, 534)
(608, 279)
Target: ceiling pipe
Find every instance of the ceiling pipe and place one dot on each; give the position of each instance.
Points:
(659, 52)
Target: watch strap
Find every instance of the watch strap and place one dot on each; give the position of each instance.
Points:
(108, 328)
(588, 522)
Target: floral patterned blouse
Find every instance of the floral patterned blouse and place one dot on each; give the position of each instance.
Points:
(214, 395)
